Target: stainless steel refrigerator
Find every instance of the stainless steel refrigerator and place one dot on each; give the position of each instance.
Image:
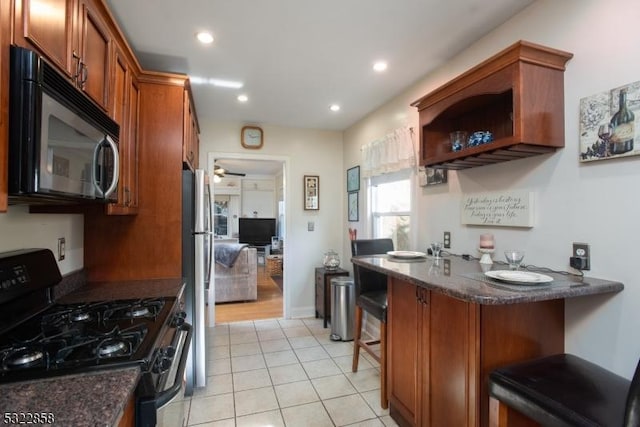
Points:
(197, 251)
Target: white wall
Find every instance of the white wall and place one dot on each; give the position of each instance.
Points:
(595, 203)
(19, 229)
(307, 152)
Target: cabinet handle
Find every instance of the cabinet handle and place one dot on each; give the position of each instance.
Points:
(421, 295)
(85, 75)
(127, 196)
(76, 76)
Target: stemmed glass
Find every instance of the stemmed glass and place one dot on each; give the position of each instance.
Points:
(605, 132)
(514, 258)
(436, 247)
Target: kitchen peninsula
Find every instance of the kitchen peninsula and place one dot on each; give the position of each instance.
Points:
(449, 326)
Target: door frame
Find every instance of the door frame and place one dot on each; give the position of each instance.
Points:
(212, 155)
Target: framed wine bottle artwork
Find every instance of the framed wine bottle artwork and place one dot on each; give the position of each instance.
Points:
(607, 124)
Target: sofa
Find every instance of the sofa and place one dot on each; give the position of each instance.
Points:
(239, 282)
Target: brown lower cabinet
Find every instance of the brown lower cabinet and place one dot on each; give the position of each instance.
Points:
(441, 351)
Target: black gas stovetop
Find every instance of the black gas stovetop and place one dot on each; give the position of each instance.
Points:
(39, 338)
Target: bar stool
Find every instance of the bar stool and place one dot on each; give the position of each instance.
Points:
(371, 296)
(564, 390)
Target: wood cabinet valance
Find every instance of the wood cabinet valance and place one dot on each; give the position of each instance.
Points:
(517, 95)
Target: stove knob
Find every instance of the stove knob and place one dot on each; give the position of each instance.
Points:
(161, 365)
(170, 351)
(178, 319)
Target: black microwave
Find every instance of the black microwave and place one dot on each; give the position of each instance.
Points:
(62, 147)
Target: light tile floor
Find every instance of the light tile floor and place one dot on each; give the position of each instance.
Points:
(285, 373)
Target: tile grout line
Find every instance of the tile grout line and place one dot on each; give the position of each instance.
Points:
(320, 343)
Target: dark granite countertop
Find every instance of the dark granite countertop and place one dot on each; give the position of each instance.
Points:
(465, 280)
(91, 399)
(103, 291)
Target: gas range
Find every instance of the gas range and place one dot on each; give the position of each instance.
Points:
(73, 337)
(41, 338)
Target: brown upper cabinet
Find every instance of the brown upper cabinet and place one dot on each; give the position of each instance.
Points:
(517, 95)
(124, 110)
(191, 139)
(94, 48)
(71, 35)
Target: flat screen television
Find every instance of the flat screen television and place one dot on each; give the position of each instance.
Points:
(256, 231)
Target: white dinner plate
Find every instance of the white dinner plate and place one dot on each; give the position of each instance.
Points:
(514, 276)
(406, 254)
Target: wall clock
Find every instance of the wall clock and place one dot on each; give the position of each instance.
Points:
(251, 137)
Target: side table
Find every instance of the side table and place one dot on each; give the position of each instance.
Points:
(323, 290)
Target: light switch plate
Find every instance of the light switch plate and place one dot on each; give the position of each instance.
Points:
(310, 226)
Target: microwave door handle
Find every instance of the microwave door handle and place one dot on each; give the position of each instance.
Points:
(94, 167)
(116, 167)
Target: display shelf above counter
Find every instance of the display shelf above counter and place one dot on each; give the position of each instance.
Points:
(517, 95)
(465, 280)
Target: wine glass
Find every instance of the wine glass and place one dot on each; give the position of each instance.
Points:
(514, 258)
(436, 247)
(605, 132)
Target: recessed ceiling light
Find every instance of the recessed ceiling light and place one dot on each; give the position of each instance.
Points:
(204, 37)
(216, 82)
(380, 66)
(243, 98)
(334, 107)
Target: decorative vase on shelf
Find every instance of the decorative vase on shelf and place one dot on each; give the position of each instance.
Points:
(331, 260)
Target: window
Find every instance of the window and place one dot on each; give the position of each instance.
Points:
(391, 208)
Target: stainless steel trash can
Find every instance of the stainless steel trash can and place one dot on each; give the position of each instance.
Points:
(343, 301)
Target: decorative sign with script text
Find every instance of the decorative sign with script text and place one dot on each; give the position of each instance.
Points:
(503, 209)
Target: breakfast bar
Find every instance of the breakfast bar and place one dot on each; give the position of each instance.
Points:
(449, 325)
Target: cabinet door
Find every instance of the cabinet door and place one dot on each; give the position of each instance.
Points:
(188, 144)
(47, 26)
(131, 150)
(95, 45)
(402, 365)
(452, 383)
(124, 110)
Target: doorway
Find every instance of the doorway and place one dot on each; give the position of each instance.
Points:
(252, 186)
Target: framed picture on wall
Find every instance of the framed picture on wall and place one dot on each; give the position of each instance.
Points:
(353, 179)
(311, 192)
(352, 204)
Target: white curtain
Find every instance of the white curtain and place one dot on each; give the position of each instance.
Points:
(394, 152)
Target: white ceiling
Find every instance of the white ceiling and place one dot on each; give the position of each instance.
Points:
(296, 57)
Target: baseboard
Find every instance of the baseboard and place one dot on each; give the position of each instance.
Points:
(302, 312)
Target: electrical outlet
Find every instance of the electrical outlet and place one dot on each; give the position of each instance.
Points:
(310, 226)
(61, 248)
(581, 256)
(447, 240)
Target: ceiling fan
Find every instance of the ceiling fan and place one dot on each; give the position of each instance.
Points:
(221, 172)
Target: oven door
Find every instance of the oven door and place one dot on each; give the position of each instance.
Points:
(164, 405)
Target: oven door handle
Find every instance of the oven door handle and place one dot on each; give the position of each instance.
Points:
(166, 395)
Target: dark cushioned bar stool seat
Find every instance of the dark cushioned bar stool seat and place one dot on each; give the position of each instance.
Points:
(564, 390)
(371, 297)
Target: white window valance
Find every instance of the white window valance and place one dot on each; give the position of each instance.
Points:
(393, 152)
